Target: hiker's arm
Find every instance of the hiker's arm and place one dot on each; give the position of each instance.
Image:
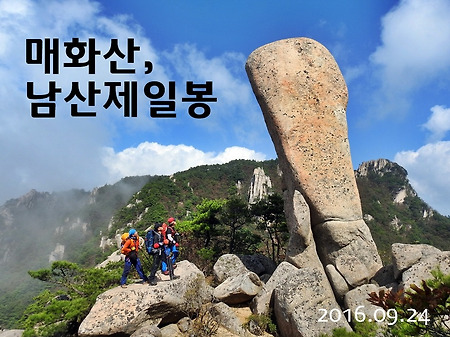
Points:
(170, 237)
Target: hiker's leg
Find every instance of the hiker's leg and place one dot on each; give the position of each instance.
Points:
(163, 266)
(175, 253)
(140, 271)
(126, 270)
(168, 260)
(155, 266)
(164, 259)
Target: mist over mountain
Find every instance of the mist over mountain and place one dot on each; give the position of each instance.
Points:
(41, 227)
(80, 226)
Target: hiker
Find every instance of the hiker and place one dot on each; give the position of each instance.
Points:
(172, 247)
(130, 250)
(157, 251)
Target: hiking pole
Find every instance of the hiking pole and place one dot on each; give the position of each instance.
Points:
(149, 263)
(170, 265)
(167, 259)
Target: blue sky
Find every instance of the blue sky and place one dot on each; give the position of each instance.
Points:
(394, 55)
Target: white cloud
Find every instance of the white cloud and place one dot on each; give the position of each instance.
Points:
(439, 122)
(353, 73)
(429, 173)
(67, 152)
(414, 51)
(157, 159)
(191, 63)
(236, 106)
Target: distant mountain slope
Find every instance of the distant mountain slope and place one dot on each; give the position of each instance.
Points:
(178, 194)
(40, 226)
(393, 210)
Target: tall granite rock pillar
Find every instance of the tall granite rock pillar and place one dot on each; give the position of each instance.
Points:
(303, 96)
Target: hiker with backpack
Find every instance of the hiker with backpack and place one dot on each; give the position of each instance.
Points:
(172, 251)
(154, 242)
(130, 249)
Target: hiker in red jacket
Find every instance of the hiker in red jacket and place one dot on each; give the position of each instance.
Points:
(158, 251)
(130, 250)
(172, 247)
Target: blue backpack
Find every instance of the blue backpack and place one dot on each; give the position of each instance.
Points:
(149, 241)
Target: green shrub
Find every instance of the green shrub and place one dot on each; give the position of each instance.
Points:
(60, 311)
(263, 322)
(421, 310)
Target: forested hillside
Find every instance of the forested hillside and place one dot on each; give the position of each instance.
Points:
(393, 210)
(178, 195)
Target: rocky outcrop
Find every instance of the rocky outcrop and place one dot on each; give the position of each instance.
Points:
(332, 262)
(238, 289)
(57, 253)
(230, 265)
(383, 167)
(423, 268)
(404, 256)
(303, 96)
(295, 295)
(380, 167)
(119, 310)
(260, 186)
(114, 257)
(11, 333)
(298, 305)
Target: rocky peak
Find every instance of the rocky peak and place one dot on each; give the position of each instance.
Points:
(399, 185)
(31, 199)
(260, 185)
(93, 196)
(380, 167)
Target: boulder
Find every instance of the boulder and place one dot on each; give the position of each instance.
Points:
(356, 302)
(258, 263)
(227, 318)
(124, 310)
(300, 303)
(351, 268)
(260, 305)
(406, 255)
(301, 250)
(148, 331)
(303, 96)
(422, 269)
(238, 289)
(343, 240)
(340, 285)
(171, 330)
(228, 265)
(184, 324)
